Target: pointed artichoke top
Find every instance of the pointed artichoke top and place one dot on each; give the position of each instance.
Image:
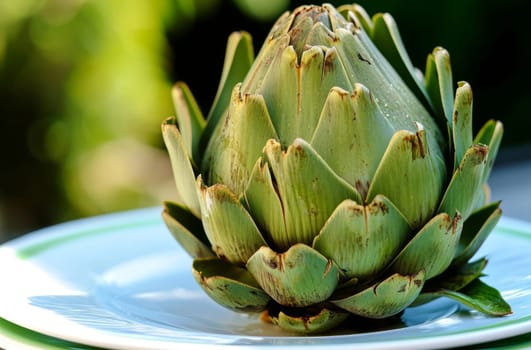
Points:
(301, 22)
(314, 49)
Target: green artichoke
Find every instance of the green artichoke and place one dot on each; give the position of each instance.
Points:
(331, 177)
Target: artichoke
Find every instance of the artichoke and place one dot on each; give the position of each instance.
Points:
(331, 177)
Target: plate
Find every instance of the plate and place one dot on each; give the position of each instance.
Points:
(120, 281)
(13, 336)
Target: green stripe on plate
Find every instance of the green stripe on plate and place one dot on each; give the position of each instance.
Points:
(23, 337)
(37, 248)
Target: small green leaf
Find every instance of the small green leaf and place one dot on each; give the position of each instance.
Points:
(319, 322)
(190, 119)
(264, 205)
(233, 150)
(337, 20)
(366, 65)
(385, 298)
(187, 230)
(476, 229)
(298, 277)
(439, 83)
(456, 278)
(320, 35)
(462, 122)
(362, 240)
(481, 297)
(239, 57)
(279, 88)
(466, 184)
(452, 279)
(308, 189)
(433, 247)
(311, 94)
(491, 135)
(354, 122)
(305, 82)
(359, 14)
(299, 32)
(230, 286)
(228, 226)
(182, 168)
(267, 59)
(410, 176)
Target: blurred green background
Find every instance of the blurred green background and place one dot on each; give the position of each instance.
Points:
(85, 84)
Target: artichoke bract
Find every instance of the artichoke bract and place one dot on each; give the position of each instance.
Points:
(331, 177)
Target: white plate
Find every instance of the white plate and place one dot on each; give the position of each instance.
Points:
(120, 281)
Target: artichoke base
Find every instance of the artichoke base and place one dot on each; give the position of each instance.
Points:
(326, 319)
